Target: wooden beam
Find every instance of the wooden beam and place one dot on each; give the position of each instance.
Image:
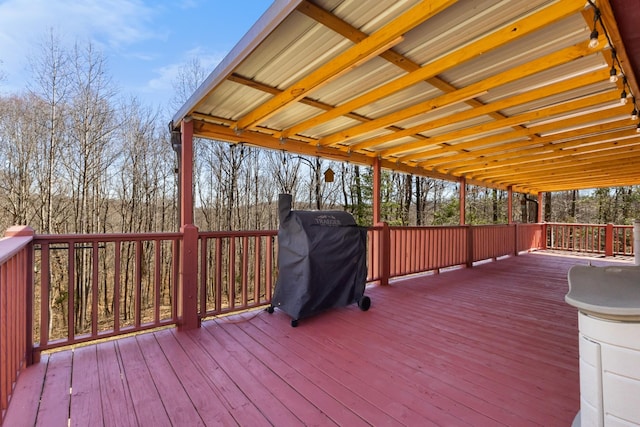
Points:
(380, 41)
(205, 129)
(236, 78)
(584, 102)
(501, 37)
(611, 167)
(616, 39)
(350, 32)
(530, 68)
(536, 163)
(465, 157)
(508, 159)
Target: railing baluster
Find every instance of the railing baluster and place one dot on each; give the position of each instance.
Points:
(204, 274)
(45, 282)
(245, 270)
(94, 289)
(157, 279)
(71, 312)
(116, 286)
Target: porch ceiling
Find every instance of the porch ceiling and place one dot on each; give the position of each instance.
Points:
(500, 92)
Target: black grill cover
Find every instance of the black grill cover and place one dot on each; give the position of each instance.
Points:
(321, 260)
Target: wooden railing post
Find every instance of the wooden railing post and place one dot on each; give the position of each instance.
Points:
(188, 294)
(608, 242)
(543, 238)
(27, 270)
(516, 240)
(470, 248)
(384, 254)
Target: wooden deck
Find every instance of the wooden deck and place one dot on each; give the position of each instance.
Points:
(492, 345)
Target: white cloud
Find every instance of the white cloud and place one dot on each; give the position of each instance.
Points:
(167, 74)
(108, 23)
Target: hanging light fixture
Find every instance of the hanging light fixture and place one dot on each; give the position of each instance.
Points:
(623, 97)
(613, 74)
(634, 113)
(593, 38)
(638, 128)
(593, 42)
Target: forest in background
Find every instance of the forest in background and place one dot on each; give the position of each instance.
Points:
(79, 156)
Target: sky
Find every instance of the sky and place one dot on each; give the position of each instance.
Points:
(145, 42)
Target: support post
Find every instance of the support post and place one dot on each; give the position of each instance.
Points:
(510, 219)
(510, 205)
(377, 179)
(540, 214)
(470, 244)
(384, 254)
(636, 241)
(463, 199)
(188, 287)
(186, 173)
(608, 240)
(27, 269)
(188, 294)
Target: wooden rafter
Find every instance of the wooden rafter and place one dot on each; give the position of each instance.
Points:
(455, 119)
(372, 46)
(499, 38)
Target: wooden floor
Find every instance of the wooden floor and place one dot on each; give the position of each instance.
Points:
(492, 345)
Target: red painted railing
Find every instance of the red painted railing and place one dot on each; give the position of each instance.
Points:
(15, 309)
(237, 270)
(101, 285)
(413, 250)
(605, 239)
(87, 287)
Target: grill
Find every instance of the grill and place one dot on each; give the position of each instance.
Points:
(321, 262)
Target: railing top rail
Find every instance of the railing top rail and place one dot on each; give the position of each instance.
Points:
(9, 246)
(243, 233)
(426, 227)
(108, 237)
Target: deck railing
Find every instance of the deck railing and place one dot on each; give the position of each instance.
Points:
(237, 270)
(94, 286)
(58, 290)
(15, 309)
(605, 239)
(411, 250)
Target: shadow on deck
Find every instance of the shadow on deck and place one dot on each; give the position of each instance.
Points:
(492, 345)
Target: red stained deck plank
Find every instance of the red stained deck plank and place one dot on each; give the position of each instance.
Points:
(204, 398)
(86, 401)
(176, 401)
(149, 408)
(23, 407)
(54, 403)
(223, 387)
(492, 345)
(369, 394)
(255, 389)
(117, 405)
(298, 372)
(289, 397)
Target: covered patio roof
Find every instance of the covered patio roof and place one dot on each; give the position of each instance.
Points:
(509, 94)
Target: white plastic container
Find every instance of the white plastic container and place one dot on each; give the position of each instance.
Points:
(608, 300)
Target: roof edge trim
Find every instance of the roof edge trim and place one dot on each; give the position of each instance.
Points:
(265, 25)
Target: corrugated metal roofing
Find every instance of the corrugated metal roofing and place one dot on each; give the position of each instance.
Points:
(501, 93)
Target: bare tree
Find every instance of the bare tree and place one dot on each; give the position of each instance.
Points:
(87, 158)
(51, 70)
(18, 145)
